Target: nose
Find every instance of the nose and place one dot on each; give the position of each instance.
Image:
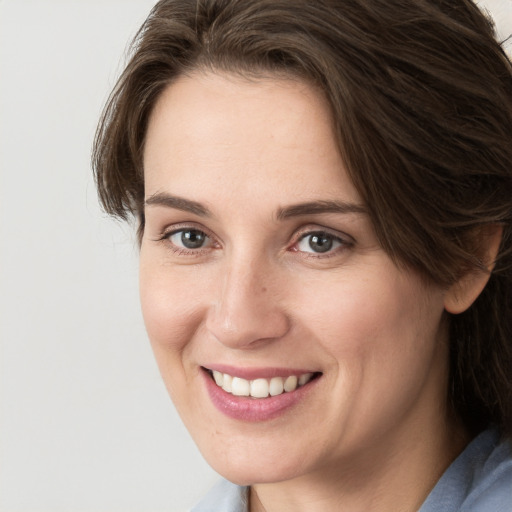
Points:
(248, 310)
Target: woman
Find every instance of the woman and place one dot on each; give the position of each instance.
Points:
(324, 197)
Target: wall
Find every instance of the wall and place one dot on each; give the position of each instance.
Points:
(85, 422)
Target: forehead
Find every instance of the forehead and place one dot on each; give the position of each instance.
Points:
(233, 132)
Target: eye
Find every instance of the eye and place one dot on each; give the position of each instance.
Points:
(189, 239)
(318, 242)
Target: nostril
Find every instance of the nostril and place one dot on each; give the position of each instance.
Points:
(242, 325)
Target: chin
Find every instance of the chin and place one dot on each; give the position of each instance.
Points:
(255, 459)
(246, 472)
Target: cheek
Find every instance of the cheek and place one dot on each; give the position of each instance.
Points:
(382, 336)
(170, 307)
(394, 309)
(172, 316)
(380, 328)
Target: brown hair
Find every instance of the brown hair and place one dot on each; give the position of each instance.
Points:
(422, 100)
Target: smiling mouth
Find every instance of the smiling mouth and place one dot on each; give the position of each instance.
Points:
(260, 388)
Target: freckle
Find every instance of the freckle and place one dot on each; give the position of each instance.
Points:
(264, 290)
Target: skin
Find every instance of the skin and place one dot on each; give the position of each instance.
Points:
(374, 433)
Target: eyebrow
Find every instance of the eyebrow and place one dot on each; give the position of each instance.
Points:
(178, 203)
(318, 207)
(296, 210)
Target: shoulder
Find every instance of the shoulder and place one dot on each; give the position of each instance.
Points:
(492, 486)
(224, 496)
(479, 480)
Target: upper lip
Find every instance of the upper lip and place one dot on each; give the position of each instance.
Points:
(257, 373)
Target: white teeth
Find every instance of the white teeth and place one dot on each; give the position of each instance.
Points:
(226, 382)
(260, 388)
(303, 379)
(290, 384)
(240, 387)
(276, 386)
(219, 378)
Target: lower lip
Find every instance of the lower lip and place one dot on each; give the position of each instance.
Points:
(254, 409)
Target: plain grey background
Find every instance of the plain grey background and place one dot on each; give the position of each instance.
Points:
(85, 422)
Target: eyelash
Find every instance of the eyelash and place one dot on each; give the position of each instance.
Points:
(166, 238)
(343, 243)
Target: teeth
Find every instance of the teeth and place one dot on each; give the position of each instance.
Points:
(290, 384)
(260, 388)
(303, 379)
(226, 382)
(240, 387)
(219, 378)
(276, 386)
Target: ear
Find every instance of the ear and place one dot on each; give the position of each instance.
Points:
(465, 291)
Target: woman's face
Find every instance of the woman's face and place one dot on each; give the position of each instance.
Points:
(259, 262)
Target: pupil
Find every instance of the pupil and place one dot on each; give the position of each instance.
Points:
(192, 239)
(320, 243)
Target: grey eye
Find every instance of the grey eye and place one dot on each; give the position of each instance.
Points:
(189, 239)
(318, 242)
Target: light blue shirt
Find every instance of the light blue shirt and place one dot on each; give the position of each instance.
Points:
(478, 480)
